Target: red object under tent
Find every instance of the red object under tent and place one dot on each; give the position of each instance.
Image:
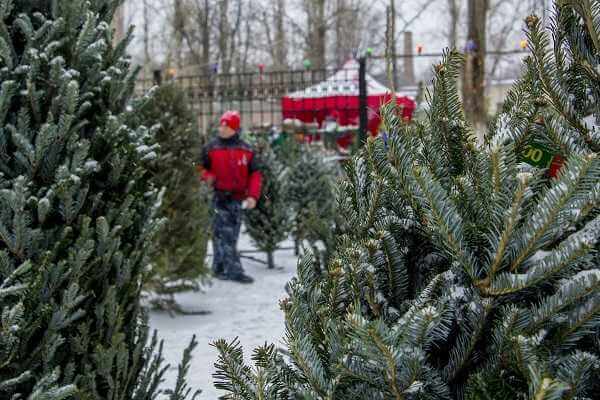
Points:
(337, 98)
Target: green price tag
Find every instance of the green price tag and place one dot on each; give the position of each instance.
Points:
(537, 156)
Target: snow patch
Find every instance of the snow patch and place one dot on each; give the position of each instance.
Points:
(150, 156)
(457, 292)
(250, 312)
(92, 165)
(415, 387)
(591, 121)
(539, 255)
(589, 273)
(75, 179)
(430, 311)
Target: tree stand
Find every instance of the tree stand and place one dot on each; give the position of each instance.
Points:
(270, 260)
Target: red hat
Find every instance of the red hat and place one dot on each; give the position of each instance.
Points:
(231, 119)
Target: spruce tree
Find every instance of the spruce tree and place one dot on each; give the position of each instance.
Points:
(77, 211)
(179, 251)
(459, 274)
(268, 224)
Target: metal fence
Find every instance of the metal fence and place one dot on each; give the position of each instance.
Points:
(258, 95)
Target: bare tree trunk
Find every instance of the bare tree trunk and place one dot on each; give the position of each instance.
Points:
(349, 29)
(224, 34)
(119, 24)
(270, 260)
(246, 42)
(474, 74)
(275, 35)
(454, 10)
(234, 39)
(409, 60)
(146, 41)
(321, 33)
(393, 43)
(206, 38)
(317, 32)
(205, 60)
(266, 21)
(388, 48)
(280, 37)
(178, 28)
(340, 31)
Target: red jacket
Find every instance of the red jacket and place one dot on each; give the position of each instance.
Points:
(234, 167)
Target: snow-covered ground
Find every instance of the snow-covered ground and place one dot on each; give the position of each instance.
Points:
(250, 312)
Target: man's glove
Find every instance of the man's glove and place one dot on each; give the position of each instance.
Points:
(249, 203)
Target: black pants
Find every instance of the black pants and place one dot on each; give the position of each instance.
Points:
(226, 231)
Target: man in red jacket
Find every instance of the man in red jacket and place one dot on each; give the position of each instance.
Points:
(230, 166)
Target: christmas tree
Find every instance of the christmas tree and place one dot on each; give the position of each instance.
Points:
(77, 210)
(310, 195)
(460, 274)
(180, 247)
(268, 224)
(560, 89)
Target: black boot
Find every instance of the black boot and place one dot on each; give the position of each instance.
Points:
(221, 276)
(241, 278)
(218, 272)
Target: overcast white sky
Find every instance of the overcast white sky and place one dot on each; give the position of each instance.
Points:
(430, 29)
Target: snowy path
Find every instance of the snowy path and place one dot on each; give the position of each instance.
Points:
(250, 312)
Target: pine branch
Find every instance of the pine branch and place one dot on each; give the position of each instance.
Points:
(448, 222)
(548, 209)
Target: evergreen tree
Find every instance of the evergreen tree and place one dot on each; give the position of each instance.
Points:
(178, 255)
(268, 224)
(458, 275)
(560, 89)
(77, 212)
(310, 194)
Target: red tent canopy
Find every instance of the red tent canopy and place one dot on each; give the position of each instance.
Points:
(337, 98)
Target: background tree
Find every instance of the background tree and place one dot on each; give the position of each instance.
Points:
(316, 32)
(348, 30)
(474, 74)
(179, 22)
(454, 7)
(268, 224)
(561, 110)
(273, 21)
(78, 210)
(179, 251)
(309, 192)
(118, 23)
(198, 34)
(228, 30)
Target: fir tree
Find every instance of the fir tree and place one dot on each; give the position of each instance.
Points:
(178, 255)
(77, 211)
(457, 275)
(310, 194)
(268, 224)
(560, 89)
